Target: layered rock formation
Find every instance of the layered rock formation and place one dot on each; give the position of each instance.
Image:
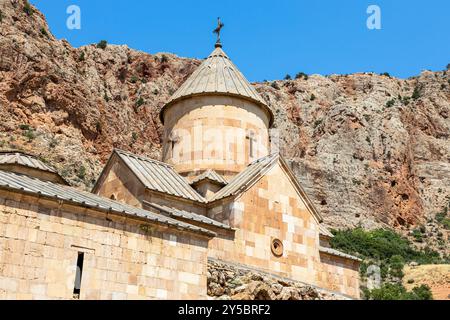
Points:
(233, 282)
(369, 149)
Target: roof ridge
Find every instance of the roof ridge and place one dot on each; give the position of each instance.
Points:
(140, 157)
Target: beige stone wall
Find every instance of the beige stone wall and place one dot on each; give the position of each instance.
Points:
(339, 274)
(207, 189)
(120, 184)
(40, 241)
(210, 133)
(270, 209)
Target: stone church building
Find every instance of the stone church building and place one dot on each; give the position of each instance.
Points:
(149, 228)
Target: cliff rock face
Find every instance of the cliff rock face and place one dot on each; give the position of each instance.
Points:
(369, 149)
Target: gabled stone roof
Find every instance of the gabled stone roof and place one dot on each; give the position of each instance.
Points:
(217, 75)
(335, 252)
(159, 176)
(210, 175)
(24, 159)
(24, 184)
(21, 162)
(255, 171)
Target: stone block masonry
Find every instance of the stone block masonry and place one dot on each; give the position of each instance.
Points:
(40, 241)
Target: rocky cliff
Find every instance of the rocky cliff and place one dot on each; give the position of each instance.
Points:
(369, 149)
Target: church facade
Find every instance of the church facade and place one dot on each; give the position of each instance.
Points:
(148, 228)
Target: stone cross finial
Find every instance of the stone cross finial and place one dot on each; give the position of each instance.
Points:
(220, 25)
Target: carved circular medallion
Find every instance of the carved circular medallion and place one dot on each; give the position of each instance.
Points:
(277, 247)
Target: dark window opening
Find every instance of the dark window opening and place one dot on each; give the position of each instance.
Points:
(172, 148)
(251, 140)
(79, 273)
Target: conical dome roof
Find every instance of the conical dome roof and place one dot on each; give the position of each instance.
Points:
(217, 75)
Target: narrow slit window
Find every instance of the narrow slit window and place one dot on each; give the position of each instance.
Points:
(172, 148)
(251, 146)
(78, 275)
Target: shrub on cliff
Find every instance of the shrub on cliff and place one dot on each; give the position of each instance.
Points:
(390, 103)
(301, 75)
(81, 172)
(102, 44)
(27, 8)
(140, 102)
(275, 86)
(416, 94)
(164, 59)
(82, 56)
(443, 218)
(44, 32)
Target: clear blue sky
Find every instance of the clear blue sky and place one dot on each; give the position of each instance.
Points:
(268, 39)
